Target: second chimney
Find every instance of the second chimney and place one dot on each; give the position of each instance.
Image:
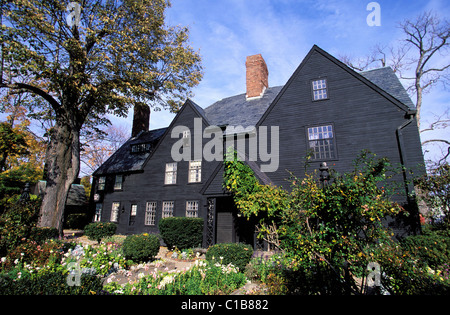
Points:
(141, 119)
(257, 76)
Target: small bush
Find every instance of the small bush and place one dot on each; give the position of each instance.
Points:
(16, 223)
(41, 234)
(181, 232)
(98, 230)
(141, 247)
(430, 249)
(237, 254)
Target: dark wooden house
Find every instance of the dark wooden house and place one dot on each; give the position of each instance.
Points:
(325, 108)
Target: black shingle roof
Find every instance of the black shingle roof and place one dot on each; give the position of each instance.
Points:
(386, 79)
(125, 161)
(237, 111)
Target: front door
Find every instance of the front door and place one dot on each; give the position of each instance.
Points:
(225, 227)
(230, 227)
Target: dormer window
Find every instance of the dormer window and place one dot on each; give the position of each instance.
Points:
(140, 148)
(319, 89)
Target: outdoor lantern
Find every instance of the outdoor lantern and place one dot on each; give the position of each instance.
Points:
(324, 175)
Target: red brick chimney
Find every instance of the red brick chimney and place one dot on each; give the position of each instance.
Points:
(257, 76)
(141, 119)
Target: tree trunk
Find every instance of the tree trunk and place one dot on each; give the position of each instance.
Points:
(63, 166)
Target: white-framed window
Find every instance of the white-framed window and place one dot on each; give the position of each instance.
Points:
(321, 142)
(115, 211)
(118, 182)
(133, 210)
(101, 183)
(192, 209)
(171, 173)
(167, 209)
(319, 88)
(186, 138)
(150, 213)
(98, 212)
(133, 213)
(195, 171)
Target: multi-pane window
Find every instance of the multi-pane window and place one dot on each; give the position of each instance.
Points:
(171, 174)
(118, 182)
(101, 183)
(192, 209)
(140, 148)
(167, 209)
(195, 171)
(133, 213)
(186, 138)
(150, 213)
(321, 142)
(115, 211)
(319, 89)
(98, 212)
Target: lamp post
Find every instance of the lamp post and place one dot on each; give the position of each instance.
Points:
(324, 174)
(25, 196)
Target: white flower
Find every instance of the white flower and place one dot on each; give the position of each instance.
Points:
(3, 259)
(16, 261)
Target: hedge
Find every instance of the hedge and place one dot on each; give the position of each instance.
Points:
(98, 230)
(49, 283)
(141, 247)
(235, 253)
(181, 232)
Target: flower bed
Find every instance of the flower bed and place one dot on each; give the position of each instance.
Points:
(202, 278)
(57, 266)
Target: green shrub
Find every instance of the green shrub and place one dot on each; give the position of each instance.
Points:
(237, 254)
(430, 249)
(76, 220)
(141, 247)
(181, 232)
(98, 230)
(48, 283)
(41, 234)
(16, 223)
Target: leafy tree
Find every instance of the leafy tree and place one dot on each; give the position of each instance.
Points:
(436, 193)
(103, 58)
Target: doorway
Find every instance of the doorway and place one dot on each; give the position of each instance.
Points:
(230, 226)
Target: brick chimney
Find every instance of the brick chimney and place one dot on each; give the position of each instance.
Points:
(141, 119)
(257, 76)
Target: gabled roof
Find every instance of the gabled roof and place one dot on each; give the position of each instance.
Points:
(124, 161)
(386, 79)
(237, 111)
